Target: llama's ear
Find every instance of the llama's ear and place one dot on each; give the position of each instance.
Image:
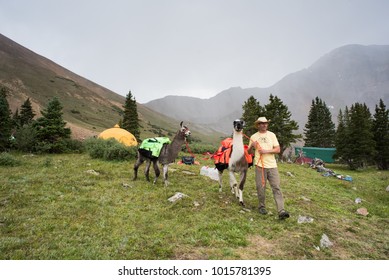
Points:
(181, 123)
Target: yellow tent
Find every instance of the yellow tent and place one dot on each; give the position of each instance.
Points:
(122, 135)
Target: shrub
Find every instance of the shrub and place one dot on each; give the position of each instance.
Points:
(25, 139)
(95, 147)
(57, 147)
(8, 160)
(109, 149)
(74, 146)
(197, 148)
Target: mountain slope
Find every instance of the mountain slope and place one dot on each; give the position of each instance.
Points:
(88, 107)
(349, 74)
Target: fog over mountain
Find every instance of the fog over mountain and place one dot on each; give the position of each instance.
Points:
(344, 76)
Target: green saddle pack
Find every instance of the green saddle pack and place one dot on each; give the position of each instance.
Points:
(151, 147)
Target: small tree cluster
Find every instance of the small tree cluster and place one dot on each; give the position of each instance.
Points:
(21, 132)
(362, 140)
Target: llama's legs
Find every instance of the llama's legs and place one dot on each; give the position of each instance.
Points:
(233, 183)
(243, 175)
(147, 170)
(220, 180)
(165, 174)
(138, 163)
(156, 170)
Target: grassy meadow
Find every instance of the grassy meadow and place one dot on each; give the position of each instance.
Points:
(73, 207)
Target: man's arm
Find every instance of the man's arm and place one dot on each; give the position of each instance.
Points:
(275, 150)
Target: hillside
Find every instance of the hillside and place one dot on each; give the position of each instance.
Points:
(100, 213)
(349, 74)
(88, 107)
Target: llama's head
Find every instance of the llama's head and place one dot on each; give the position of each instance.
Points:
(184, 130)
(238, 125)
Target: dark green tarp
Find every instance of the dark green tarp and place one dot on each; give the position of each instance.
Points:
(325, 154)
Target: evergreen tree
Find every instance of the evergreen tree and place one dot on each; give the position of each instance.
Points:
(5, 120)
(281, 123)
(130, 120)
(341, 136)
(320, 129)
(51, 132)
(381, 135)
(361, 142)
(25, 133)
(311, 127)
(25, 138)
(252, 110)
(26, 113)
(16, 119)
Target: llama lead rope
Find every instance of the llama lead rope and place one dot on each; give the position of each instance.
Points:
(187, 147)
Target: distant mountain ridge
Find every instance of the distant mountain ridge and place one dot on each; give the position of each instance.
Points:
(344, 76)
(349, 74)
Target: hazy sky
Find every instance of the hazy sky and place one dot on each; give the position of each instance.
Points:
(194, 48)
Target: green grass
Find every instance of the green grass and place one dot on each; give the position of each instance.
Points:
(52, 208)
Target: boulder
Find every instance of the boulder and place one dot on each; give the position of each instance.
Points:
(325, 241)
(362, 211)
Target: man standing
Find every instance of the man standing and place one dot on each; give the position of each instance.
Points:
(266, 146)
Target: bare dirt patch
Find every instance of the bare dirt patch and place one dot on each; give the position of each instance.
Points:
(259, 248)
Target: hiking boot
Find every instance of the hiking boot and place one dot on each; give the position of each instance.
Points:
(262, 211)
(283, 215)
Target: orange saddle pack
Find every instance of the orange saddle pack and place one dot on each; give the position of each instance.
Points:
(222, 156)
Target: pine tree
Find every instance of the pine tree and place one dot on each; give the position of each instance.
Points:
(16, 119)
(5, 120)
(130, 120)
(26, 113)
(328, 127)
(252, 110)
(360, 137)
(320, 129)
(311, 127)
(281, 123)
(381, 135)
(51, 132)
(341, 136)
